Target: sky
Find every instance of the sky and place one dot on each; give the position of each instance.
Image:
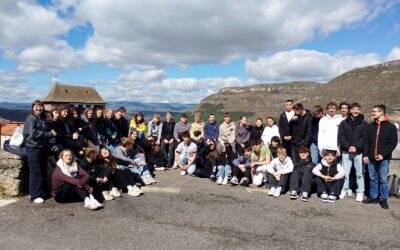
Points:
(179, 51)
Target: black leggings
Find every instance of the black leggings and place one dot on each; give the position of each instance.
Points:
(75, 145)
(70, 193)
(301, 179)
(332, 188)
(123, 178)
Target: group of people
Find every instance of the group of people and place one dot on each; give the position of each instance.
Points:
(99, 153)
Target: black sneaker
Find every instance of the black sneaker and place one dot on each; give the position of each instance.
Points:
(384, 204)
(370, 201)
(234, 181)
(293, 195)
(304, 196)
(244, 181)
(213, 178)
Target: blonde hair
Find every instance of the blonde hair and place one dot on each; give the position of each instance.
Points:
(281, 151)
(67, 150)
(125, 142)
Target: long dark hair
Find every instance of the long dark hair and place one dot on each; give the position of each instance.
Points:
(39, 103)
(136, 120)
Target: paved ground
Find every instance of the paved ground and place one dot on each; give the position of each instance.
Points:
(202, 216)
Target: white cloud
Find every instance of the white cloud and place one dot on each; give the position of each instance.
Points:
(158, 32)
(394, 54)
(14, 88)
(308, 65)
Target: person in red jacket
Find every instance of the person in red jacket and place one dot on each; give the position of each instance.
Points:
(70, 182)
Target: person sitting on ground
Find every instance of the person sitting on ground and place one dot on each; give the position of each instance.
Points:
(186, 154)
(279, 169)
(301, 178)
(257, 130)
(270, 131)
(70, 182)
(119, 175)
(154, 130)
(260, 158)
(225, 164)
(242, 135)
(207, 161)
(181, 127)
(155, 159)
(139, 165)
(273, 147)
(227, 132)
(329, 177)
(242, 169)
(139, 125)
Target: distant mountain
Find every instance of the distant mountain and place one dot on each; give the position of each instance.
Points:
(368, 86)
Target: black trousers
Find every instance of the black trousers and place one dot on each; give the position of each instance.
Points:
(123, 178)
(281, 183)
(37, 162)
(70, 193)
(295, 154)
(167, 151)
(288, 146)
(75, 145)
(236, 172)
(239, 149)
(332, 188)
(301, 179)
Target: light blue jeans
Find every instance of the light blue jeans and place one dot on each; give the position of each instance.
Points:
(314, 152)
(348, 159)
(224, 171)
(183, 160)
(378, 172)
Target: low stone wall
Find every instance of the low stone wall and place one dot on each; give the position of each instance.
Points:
(13, 175)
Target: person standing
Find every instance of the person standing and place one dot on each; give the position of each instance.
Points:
(301, 130)
(36, 136)
(328, 130)
(284, 126)
(351, 141)
(227, 132)
(380, 141)
(317, 114)
(167, 139)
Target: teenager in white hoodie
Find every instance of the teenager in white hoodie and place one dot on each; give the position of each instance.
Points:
(270, 131)
(328, 130)
(279, 169)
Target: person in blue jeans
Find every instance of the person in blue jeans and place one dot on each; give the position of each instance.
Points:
(186, 154)
(225, 163)
(380, 141)
(351, 141)
(317, 114)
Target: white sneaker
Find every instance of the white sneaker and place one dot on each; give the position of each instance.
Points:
(359, 197)
(277, 192)
(225, 181)
(160, 168)
(96, 203)
(183, 172)
(342, 195)
(324, 197)
(349, 193)
(89, 204)
(38, 200)
(138, 189)
(114, 192)
(331, 198)
(219, 180)
(133, 192)
(107, 196)
(175, 166)
(146, 180)
(271, 191)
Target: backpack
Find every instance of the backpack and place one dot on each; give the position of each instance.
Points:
(394, 185)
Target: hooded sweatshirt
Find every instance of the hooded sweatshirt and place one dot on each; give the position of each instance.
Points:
(227, 132)
(284, 167)
(328, 132)
(180, 128)
(268, 133)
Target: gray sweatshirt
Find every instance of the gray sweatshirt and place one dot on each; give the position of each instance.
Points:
(181, 128)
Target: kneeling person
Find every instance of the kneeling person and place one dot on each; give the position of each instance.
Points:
(279, 170)
(186, 154)
(329, 177)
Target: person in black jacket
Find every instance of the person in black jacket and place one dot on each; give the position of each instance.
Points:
(121, 123)
(37, 134)
(302, 175)
(256, 131)
(301, 130)
(284, 126)
(379, 142)
(99, 126)
(351, 140)
(206, 165)
(167, 139)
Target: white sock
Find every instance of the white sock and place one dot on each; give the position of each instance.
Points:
(129, 187)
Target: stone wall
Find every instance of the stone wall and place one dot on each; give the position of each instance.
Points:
(13, 175)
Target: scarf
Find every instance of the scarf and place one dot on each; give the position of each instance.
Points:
(68, 170)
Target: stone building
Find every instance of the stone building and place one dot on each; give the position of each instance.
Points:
(73, 96)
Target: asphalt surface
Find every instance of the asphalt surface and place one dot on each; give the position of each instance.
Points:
(202, 216)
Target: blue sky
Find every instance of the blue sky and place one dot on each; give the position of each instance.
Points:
(148, 51)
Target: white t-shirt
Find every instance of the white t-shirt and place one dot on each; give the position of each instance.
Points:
(187, 150)
(289, 115)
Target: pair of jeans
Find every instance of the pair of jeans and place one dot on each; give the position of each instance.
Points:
(378, 172)
(37, 162)
(331, 187)
(348, 159)
(183, 160)
(224, 171)
(314, 152)
(167, 151)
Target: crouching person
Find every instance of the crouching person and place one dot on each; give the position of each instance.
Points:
(279, 169)
(301, 178)
(242, 169)
(186, 154)
(260, 158)
(225, 163)
(329, 177)
(70, 182)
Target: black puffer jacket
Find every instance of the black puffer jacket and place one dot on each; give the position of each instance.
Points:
(351, 133)
(301, 130)
(256, 133)
(384, 144)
